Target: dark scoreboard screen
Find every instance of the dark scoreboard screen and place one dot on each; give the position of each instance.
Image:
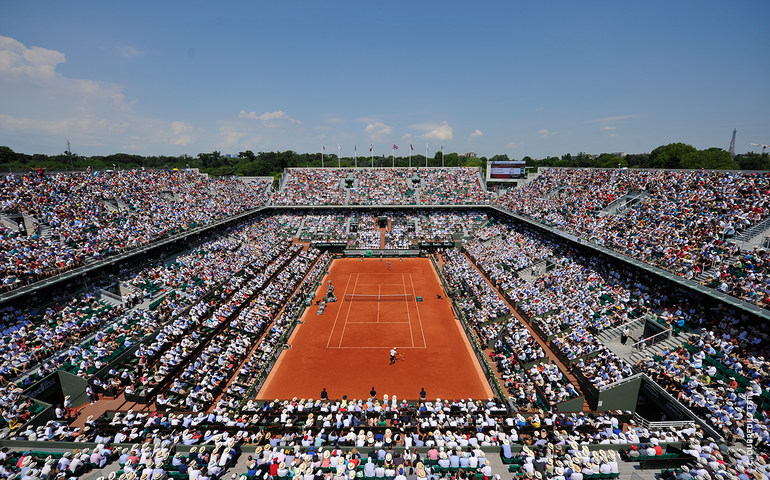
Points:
(503, 170)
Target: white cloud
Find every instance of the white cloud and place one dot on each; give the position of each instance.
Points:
(378, 130)
(268, 130)
(42, 108)
(230, 135)
(614, 135)
(476, 133)
(434, 131)
(616, 118)
(59, 126)
(181, 133)
(607, 127)
(128, 51)
(333, 119)
(269, 119)
(34, 64)
(406, 136)
(512, 145)
(545, 133)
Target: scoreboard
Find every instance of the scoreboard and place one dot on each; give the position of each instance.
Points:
(501, 171)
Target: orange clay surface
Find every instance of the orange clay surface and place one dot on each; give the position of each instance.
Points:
(346, 349)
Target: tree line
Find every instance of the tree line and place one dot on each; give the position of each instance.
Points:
(248, 163)
(671, 156)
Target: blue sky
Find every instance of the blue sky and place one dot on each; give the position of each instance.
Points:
(521, 78)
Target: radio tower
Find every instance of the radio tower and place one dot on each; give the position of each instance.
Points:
(732, 145)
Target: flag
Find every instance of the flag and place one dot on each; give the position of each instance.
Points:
(355, 148)
(339, 147)
(323, 147)
(395, 147)
(370, 147)
(411, 147)
(442, 148)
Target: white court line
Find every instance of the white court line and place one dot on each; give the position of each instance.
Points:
(359, 323)
(419, 317)
(382, 273)
(405, 347)
(408, 315)
(379, 294)
(347, 315)
(338, 312)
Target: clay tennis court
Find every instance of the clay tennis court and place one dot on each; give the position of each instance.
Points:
(346, 349)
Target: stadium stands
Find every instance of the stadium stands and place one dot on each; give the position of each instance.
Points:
(203, 327)
(84, 216)
(682, 221)
(382, 186)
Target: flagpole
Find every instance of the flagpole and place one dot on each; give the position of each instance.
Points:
(371, 150)
(410, 155)
(393, 155)
(322, 155)
(442, 156)
(426, 155)
(355, 155)
(339, 152)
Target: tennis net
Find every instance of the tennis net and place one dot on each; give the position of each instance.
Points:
(379, 298)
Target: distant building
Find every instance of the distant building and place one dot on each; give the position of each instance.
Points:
(594, 156)
(469, 155)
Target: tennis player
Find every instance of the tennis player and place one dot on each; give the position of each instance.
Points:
(393, 354)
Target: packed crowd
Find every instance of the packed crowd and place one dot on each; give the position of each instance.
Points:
(501, 251)
(718, 379)
(569, 303)
(711, 460)
(514, 347)
(45, 339)
(173, 365)
(382, 186)
(401, 232)
(361, 230)
(156, 462)
(306, 423)
(97, 214)
(313, 186)
(443, 225)
(86, 359)
(684, 223)
(324, 228)
(227, 305)
(258, 317)
(367, 232)
(552, 382)
(560, 447)
(197, 291)
(453, 186)
(206, 377)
